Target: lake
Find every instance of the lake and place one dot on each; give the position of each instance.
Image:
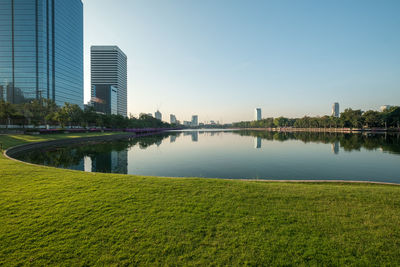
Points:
(236, 155)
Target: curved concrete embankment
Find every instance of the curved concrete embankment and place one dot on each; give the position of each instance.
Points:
(11, 152)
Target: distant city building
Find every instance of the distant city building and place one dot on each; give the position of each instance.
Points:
(335, 110)
(385, 107)
(105, 99)
(145, 114)
(195, 120)
(258, 114)
(212, 122)
(158, 115)
(172, 119)
(41, 51)
(187, 123)
(109, 67)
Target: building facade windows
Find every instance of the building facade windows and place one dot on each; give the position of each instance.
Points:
(109, 67)
(105, 99)
(41, 51)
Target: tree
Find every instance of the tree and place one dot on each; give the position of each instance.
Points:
(89, 116)
(50, 109)
(72, 112)
(281, 121)
(372, 118)
(61, 116)
(393, 116)
(35, 112)
(7, 110)
(351, 118)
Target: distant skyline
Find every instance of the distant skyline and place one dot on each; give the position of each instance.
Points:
(222, 59)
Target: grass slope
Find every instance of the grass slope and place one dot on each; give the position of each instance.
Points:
(50, 216)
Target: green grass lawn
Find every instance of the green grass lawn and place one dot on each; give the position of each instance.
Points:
(8, 141)
(50, 216)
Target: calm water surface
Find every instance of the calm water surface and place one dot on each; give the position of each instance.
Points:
(237, 155)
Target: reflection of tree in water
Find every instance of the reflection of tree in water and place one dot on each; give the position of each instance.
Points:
(349, 142)
(72, 155)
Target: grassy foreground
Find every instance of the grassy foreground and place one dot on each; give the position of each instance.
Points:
(50, 216)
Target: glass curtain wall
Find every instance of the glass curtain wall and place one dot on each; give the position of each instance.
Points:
(41, 50)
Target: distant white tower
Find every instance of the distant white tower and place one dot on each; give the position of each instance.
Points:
(335, 110)
(158, 115)
(258, 114)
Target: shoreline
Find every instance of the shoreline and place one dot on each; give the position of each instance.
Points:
(323, 130)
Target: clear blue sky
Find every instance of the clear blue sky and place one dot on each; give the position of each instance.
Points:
(222, 58)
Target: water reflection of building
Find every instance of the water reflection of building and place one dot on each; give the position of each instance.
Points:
(78, 167)
(195, 136)
(215, 133)
(172, 138)
(257, 142)
(87, 161)
(335, 147)
(109, 162)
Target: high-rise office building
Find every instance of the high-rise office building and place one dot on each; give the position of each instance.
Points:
(109, 67)
(158, 115)
(41, 51)
(195, 120)
(258, 114)
(172, 119)
(335, 110)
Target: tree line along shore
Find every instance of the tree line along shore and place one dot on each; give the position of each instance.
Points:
(348, 121)
(46, 112)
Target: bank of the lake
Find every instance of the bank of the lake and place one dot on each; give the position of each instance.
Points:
(52, 216)
(326, 130)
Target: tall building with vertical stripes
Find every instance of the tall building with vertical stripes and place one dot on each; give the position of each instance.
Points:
(41, 51)
(109, 68)
(335, 110)
(257, 115)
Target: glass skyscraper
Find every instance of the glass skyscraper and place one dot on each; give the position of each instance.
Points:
(41, 50)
